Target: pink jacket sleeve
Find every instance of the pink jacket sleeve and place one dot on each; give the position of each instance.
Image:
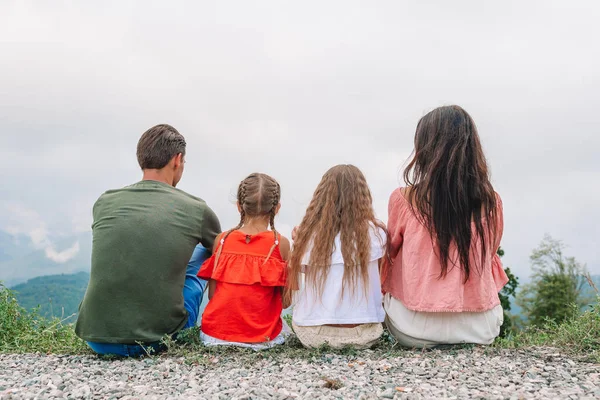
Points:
(500, 277)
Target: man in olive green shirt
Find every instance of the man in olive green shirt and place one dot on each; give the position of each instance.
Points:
(149, 240)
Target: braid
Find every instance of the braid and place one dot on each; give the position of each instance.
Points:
(242, 192)
(272, 222)
(276, 194)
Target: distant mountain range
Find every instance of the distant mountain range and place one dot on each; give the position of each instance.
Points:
(55, 295)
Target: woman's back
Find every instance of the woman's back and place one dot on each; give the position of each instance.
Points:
(415, 278)
(445, 229)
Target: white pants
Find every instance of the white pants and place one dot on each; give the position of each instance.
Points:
(279, 339)
(428, 329)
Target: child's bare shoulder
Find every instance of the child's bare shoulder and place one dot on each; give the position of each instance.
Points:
(284, 246)
(283, 241)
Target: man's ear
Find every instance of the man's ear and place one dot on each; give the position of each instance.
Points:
(177, 160)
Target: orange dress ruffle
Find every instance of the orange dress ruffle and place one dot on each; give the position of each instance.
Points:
(246, 305)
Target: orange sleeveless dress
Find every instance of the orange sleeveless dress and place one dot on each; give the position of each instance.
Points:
(246, 305)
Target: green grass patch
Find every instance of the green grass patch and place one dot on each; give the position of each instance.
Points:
(579, 335)
(23, 331)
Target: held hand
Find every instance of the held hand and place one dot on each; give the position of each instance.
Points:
(294, 231)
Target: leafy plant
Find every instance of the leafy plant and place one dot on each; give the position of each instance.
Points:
(23, 331)
(507, 291)
(557, 284)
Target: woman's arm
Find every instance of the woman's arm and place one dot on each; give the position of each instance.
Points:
(498, 273)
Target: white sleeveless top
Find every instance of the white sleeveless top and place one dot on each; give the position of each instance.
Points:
(353, 308)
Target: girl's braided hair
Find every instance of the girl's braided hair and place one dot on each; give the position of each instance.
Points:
(258, 195)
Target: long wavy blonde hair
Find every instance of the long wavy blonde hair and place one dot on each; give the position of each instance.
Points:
(342, 203)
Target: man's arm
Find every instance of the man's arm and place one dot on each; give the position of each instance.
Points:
(212, 284)
(210, 228)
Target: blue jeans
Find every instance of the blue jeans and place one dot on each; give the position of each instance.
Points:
(193, 291)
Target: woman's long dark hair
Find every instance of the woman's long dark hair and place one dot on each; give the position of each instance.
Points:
(449, 187)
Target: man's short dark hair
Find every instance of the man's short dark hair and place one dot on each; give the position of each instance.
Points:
(158, 145)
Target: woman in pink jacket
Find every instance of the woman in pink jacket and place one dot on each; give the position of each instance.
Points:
(441, 285)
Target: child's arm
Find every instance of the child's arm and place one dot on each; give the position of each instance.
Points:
(285, 299)
(284, 247)
(285, 250)
(212, 284)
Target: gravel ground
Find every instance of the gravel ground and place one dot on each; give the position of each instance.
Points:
(464, 373)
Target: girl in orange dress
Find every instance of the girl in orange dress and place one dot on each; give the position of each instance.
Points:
(247, 272)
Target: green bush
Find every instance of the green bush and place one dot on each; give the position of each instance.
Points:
(507, 291)
(23, 331)
(557, 283)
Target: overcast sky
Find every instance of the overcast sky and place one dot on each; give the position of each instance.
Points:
(291, 89)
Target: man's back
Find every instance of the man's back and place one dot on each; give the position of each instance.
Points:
(143, 237)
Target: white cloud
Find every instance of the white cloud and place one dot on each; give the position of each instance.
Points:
(63, 256)
(20, 220)
(39, 237)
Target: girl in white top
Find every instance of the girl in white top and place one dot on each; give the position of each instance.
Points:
(338, 246)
